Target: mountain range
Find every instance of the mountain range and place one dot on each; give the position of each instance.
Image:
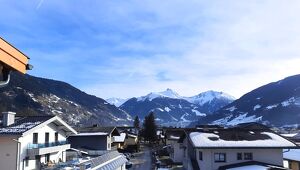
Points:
(276, 103)
(170, 108)
(29, 95)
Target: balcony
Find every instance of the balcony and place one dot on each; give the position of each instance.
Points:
(46, 148)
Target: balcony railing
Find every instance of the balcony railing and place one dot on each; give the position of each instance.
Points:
(46, 145)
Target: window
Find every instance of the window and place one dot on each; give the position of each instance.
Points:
(47, 158)
(56, 137)
(220, 157)
(37, 161)
(239, 156)
(35, 138)
(200, 156)
(47, 138)
(248, 156)
(26, 161)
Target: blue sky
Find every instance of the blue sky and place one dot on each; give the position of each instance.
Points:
(129, 48)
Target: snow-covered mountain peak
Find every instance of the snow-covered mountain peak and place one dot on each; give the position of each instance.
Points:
(116, 101)
(208, 96)
(169, 93)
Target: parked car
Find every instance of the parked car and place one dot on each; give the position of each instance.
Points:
(128, 165)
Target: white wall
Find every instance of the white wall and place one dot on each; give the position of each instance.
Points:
(271, 156)
(8, 153)
(109, 142)
(178, 153)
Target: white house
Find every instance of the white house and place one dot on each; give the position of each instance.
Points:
(119, 141)
(234, 148)
(28, 142)
(176, 149)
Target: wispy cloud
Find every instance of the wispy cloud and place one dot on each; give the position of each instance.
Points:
(39, 4)
(128, 48)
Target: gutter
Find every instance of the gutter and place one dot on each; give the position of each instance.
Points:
(6, 81)
(18, 153)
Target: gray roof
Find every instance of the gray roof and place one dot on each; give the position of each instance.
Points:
(108, 130)
(106, 158)
(23, 124)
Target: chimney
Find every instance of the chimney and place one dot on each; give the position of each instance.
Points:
(8, 118)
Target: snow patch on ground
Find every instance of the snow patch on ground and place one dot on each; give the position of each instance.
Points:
(179, 105)
(242, 118)
(271, 106)
(183, 118)
(292, 100)
(222, 121)
(231, 109)
(167, 109)
(56, 111)
(198, 113)
(31, 95)
(160, 109)
(256, 107)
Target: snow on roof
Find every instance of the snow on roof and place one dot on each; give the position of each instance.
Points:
(265, 139)
(23, 124)
(91, 134)
(297, 136)
(250, 167)
(120, 138)
(289, 134)
(292, 154)
(19, 128)
(131, 135)
(174, 137)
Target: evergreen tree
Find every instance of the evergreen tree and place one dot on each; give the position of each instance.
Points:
(136, 123)
(150, 128)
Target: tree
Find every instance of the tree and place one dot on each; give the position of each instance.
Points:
(149, 128)
(136, 123)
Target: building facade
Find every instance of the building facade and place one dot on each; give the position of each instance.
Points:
(32, 142)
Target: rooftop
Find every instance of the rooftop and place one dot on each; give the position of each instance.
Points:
(292, 154)
(174, 134)
(120, 138)
(96, 128)
(23, 124)
(238, 138)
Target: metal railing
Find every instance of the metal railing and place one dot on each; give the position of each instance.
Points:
(45, 145)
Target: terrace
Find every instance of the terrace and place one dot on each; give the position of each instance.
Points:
(46, 148)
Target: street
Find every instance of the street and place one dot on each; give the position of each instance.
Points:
(142, 160)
